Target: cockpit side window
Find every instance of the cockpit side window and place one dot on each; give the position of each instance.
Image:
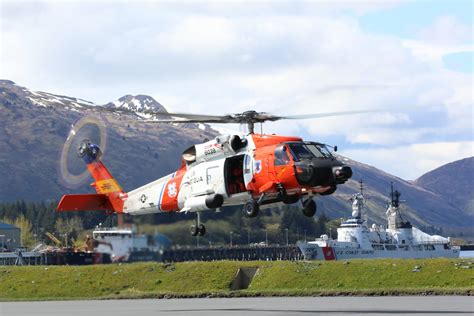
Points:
(303, 151)
(300, 152)
(325, 151)
(281, 156)
(316, 151)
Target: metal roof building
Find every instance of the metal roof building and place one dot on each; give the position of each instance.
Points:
(10, 237)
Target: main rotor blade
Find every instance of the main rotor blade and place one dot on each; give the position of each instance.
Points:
(328, 114)
(248, 117)
(183, 121)
(188, 117)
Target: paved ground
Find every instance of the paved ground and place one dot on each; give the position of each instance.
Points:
(413, 305)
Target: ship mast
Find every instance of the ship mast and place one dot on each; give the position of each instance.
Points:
(358, 202)
(395, 196)
(395, 219)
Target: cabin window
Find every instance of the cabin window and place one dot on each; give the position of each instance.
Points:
(300, 152)
(281, 156)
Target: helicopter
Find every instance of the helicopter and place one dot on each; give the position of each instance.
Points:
(257, 171)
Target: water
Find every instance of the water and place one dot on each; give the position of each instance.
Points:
(466, 254)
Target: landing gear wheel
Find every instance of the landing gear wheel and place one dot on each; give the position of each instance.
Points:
(201, 230)
(194, 230)
(198, 228)
(309, 207)
(251, 208)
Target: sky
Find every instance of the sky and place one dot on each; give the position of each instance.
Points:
(410, 60)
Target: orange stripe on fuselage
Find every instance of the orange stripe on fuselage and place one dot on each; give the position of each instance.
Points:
(169, 197)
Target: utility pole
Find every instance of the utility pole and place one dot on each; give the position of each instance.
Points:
(3, 242)
(266, 237)
(286, 231)
(305, 235)
(248, 236)
(231, 238)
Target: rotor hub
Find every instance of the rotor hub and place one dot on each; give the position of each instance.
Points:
(88, 151)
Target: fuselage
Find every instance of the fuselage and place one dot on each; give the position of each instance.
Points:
(232, 169)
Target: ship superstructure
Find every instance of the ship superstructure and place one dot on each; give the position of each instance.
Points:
(125, 245)
(398, 240)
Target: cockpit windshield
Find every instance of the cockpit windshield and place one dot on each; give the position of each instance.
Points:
(304, 151)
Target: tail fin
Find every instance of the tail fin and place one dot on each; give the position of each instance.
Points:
(110, 196)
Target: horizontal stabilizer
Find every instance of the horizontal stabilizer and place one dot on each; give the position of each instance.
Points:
(85, 202)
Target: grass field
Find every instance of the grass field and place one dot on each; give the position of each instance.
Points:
(196, 279)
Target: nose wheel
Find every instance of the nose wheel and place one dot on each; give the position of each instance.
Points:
(309, 207)
(251, 208)
(198, 229)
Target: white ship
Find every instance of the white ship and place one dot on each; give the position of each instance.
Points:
(125, 245)
(399, 240)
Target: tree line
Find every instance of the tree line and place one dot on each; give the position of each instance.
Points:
(275, 226)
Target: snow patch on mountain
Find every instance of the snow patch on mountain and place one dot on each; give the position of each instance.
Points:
(38, 103)
(47, 100)
(137, 103)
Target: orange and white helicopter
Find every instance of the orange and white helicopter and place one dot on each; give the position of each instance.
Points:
(254, 170)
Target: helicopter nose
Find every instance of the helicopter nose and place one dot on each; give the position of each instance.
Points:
(342, 174)
(314, 173)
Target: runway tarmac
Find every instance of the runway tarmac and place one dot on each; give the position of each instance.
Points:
(386, 305)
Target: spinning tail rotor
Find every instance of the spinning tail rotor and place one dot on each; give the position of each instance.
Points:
(86, 132)
(80, 158)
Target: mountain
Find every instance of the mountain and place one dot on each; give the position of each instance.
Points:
(35, 125)
(139, 104)
(455, 181)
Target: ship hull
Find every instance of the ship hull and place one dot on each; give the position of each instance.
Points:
(315, 252)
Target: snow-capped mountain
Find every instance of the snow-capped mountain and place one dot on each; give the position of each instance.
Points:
(140, 104)
(42, 99)
(34, 126)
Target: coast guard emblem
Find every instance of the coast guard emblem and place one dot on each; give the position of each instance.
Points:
(172, 190)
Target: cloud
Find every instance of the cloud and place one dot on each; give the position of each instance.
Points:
(447, 30)
(217, 58)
